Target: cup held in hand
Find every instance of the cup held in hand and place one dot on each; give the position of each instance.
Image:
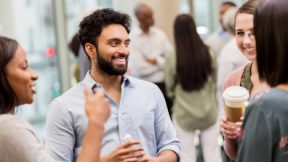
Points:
(128, 138)
(235, 102)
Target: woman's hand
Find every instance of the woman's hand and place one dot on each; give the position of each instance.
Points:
(97, 105)
(230, 130)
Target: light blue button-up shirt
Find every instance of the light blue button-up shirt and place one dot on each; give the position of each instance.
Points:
(142, 113)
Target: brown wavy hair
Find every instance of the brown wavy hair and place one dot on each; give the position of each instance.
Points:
(8, 98)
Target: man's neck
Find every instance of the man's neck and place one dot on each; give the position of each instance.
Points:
(106, 80)
(110, 83)
(144, 30)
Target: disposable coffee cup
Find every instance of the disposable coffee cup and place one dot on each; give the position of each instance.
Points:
(128, 138)
(235, 102)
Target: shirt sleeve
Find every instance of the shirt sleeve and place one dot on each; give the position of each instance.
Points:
(137, 62)
(170, 78)
(257, 141)
(19, 143)
(165, 132)
(226, 66)
(167, 49)
(60, 133)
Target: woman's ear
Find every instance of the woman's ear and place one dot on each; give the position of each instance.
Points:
(90, 50)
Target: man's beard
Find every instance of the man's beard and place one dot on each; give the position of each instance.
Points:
(108, 67)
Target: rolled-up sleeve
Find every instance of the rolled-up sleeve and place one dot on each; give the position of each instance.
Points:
(60, 133)
(165, 132)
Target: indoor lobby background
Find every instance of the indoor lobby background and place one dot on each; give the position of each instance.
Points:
(44, 28)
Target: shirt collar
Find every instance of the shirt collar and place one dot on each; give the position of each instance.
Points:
(90, 82)
(138, 31)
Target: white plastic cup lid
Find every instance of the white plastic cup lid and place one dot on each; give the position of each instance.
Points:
(235, 96)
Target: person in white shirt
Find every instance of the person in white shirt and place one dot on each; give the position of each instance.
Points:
(220, 37)
(149, 46)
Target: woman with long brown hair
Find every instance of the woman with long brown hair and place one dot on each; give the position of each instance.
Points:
(190, 76)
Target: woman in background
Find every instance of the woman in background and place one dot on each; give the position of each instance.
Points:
(266, 119)
(18, 140)
(246, 76)
(190, 77)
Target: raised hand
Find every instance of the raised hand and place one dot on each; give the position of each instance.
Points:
(97, 106)
(97, 110)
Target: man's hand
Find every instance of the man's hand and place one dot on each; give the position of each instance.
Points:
(126, 152)
(164, 156)
(151, 60)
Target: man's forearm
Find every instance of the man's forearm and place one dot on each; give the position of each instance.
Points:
(167, 156)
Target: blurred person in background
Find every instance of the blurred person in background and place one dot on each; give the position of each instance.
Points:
(138, 107)
(17, 138)
(265, 133)
(83, 63)
(246, 76)
(220, 36)
(149, 46)
(74, 46)
(190, 77)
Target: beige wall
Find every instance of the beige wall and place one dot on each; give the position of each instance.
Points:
(7, 25)
(164, 12)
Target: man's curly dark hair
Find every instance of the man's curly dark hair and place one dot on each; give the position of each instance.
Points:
(92, 25)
